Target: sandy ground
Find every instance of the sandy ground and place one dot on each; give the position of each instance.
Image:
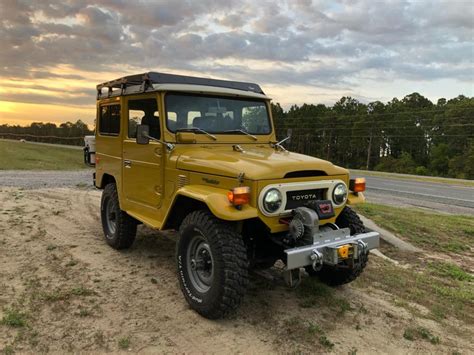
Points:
(79, 295)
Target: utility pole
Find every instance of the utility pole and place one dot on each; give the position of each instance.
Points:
(369, 150)
(329, 146)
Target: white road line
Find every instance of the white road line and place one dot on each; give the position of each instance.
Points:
(420, 194)
(420, 184)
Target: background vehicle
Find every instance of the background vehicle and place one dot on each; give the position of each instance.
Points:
(201, 156)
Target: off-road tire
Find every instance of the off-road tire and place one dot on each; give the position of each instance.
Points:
(349, 219)
(229, 265)
(340, 275)
(123, 236)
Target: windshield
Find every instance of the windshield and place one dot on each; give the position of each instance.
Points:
(216, 114)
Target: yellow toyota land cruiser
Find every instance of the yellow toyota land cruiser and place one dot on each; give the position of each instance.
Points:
(201, 156)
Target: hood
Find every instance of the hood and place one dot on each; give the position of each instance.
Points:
(257, 162)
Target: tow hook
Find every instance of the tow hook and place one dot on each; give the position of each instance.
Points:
(317, 259)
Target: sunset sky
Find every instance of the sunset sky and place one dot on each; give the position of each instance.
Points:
(54, 53)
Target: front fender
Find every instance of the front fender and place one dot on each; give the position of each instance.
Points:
(355, 198)
(217, 202)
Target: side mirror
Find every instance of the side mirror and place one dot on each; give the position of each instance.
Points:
(143, 132)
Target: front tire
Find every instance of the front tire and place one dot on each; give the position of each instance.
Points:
(343, 274)
(212, 265)
(119, 228)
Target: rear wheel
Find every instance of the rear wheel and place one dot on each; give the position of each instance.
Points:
(343, 273)
(212, 265)
(119, 228)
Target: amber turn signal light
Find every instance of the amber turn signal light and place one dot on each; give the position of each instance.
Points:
(239, 196)
(357, 184)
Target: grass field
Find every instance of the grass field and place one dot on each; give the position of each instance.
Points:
(437, 278)
(26, 156)
(436, 232)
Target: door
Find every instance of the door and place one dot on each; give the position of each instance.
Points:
(142, 164)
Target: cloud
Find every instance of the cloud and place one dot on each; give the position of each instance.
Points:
(304, 42)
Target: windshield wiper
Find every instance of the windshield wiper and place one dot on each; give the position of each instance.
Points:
(194, 129)
(241, 131)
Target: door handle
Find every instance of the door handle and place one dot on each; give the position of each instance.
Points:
(127, 163)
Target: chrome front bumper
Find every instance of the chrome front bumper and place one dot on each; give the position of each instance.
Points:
(324, 249)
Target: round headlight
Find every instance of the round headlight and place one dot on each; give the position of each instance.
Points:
(272, 200)
(339, 194)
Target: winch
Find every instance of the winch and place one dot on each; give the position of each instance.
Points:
(304, 225)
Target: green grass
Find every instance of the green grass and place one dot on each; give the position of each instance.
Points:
(8, 350)
(313, 293)
(324, 341)
(62, 295)
(27, 156)
(124, 343)
(302, 331)
(440, 180)
(14, 318)
(82, 291)
(442, 294)
(84, 312)
(444, 269)
(437, 232)
(443, 287)
(420, 333)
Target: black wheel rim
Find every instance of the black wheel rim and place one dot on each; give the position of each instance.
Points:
(200, 263)
(111, 216)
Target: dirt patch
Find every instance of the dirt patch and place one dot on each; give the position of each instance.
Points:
(64, 289)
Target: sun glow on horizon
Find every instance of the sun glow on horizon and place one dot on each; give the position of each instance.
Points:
(19, 113)
(7, 107)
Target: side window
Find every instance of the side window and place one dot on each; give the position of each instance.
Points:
(109, 120)
(145, 112)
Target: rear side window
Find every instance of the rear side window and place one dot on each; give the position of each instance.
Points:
(109, 120)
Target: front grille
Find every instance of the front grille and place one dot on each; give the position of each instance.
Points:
(301, 198)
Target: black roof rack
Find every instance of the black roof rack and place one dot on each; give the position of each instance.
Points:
(146, 80)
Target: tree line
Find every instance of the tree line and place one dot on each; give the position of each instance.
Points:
(70, 133)
(412, 135)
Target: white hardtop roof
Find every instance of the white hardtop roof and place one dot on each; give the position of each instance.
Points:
(207, 89)
(198, 89)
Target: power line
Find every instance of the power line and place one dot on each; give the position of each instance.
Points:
(308, 127)
(331, 113)
(347, 121)
(387, 136)
(35, 136)
(404, 136)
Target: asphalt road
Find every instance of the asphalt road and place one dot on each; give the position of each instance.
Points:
(443, 197)
(33, 179)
